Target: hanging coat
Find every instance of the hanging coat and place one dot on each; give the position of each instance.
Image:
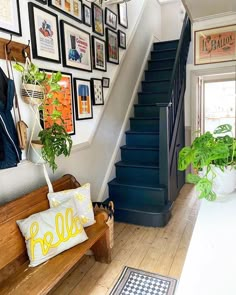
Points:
(10, 153)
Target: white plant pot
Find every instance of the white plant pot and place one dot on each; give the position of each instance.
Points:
(224, 182)
(32, 94)
(35, 153)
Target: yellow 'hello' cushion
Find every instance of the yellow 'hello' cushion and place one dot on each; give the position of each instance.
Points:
(51, 232)
(83, 202)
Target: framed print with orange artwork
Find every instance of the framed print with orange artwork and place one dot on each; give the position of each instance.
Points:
(215, 45)
(65, 104)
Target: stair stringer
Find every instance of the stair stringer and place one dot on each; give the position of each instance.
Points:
(110, 173)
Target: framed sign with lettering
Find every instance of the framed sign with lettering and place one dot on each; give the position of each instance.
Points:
(215, 45)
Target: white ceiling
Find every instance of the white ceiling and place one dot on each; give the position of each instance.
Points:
(201, 9)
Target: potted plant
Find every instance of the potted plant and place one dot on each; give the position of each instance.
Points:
(53, 140)
(212, 156)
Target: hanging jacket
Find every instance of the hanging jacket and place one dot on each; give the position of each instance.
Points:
(10, 153)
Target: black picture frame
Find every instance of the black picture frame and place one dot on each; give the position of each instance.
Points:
(123, 15)
(110, 18)
(112, 46)
(83, 99)
(76, 47)
(44, 32)
(105, 82)
(42, 1)
(11, 22)
(68, 8)
(99, 54)
(87, 13)
(121, 39)
(97, 19)
(66, 103)
(97, 91)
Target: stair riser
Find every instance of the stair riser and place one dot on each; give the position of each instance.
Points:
(165, 45)
(156, 86)
(146, 98)
(145, 219)
(158, 75)
(151, 140)
(137, 175)
(130, 197)
(146, 111)
(140, 156)
(144, 125)
(160, 64)
(163, 54)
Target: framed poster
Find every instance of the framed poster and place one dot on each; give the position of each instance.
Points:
(105, 82)
(83, 101)
(44, 33)
(72, 8)
(123, 15)
(97, 19)
(76, 47)
(215, 45)
(10, 17)
(97, 92)
(87, 15)
(99, 54)
(65, 104)
(112, 46)
(121, 39)
(110, 18)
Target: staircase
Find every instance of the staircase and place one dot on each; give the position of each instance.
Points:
(140, 191)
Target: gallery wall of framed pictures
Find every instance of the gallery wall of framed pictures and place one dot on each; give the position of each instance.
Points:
(75, 36)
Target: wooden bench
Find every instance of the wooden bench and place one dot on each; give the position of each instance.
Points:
(15, 275)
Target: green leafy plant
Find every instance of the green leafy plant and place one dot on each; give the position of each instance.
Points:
(218, 149)
(55, 139)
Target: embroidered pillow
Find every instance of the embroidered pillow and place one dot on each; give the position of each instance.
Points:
(51, 232)
(82, 199)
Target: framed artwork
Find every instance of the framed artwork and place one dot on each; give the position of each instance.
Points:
(83, 101)
(123, 15)
(121, 39)
(110, 18)
(76, 47)
(215, 45)
(10, 17)
(112, 46)
(72, 8)
(65, 104)
(99, 54)
(42, 1)
(44, 33)
(105, 82)
(87, 15)
(97, 92)
(97, 19)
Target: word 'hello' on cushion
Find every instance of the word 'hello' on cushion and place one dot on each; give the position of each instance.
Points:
(82, 199)
(51, 232)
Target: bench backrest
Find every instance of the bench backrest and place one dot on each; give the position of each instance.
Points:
(12, 245)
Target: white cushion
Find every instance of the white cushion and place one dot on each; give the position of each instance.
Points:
(83, 202)
(51, 232)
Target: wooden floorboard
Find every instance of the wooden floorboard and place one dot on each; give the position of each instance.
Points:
(160, 250)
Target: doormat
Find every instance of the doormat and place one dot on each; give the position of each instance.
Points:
(135, 281)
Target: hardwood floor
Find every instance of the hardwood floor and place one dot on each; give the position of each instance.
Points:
(160, 250)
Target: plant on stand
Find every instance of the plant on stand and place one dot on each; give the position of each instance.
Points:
(54, 139)
(212, 156)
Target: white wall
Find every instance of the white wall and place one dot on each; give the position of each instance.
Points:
(96, 139)
(172, 19)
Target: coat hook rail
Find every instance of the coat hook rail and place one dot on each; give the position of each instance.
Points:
(15, 50)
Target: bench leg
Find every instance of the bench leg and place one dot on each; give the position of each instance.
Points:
(102, 250)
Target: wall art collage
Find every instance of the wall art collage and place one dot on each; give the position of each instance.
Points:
(56, 39)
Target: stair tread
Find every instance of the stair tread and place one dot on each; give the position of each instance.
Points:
(162, 59)
(150, 187)
(145, 105)
(131, 164)
(157, 81)
(153, 92)
(134, 147)
(168, 41)
(164, 50)
(147, 208)
(142, 132)
(159, 70)
(144, 118)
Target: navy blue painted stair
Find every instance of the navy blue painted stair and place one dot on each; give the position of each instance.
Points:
(136, 191)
